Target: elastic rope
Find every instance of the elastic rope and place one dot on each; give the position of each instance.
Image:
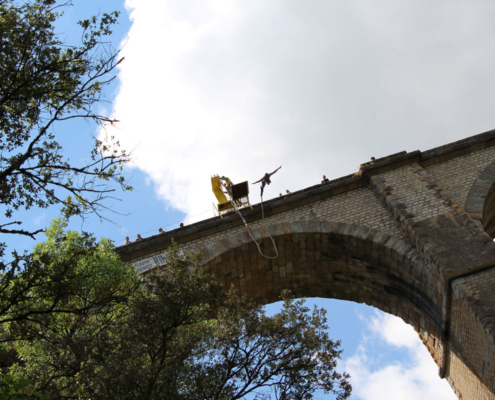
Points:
(263, 224)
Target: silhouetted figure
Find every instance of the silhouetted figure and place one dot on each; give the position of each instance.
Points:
(139, 237)
(182, 225)
(127, 241)
(325, 179)
(161, 230)
(266, 180)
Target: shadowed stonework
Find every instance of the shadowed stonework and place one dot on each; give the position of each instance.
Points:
(410, 235)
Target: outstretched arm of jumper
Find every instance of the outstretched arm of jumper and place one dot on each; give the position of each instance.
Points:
(267, 176)
(275, 171)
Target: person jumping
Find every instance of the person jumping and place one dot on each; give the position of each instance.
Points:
(266, 180)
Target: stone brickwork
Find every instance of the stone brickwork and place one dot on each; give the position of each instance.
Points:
(407, 188)
(361, 207)
(458, 175)
(409, 235)
(471, 342)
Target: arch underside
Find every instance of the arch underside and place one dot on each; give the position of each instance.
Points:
(334, 260)
(480, 202)
(488, 218)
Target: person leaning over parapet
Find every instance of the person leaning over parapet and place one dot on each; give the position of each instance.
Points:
(325, 179)
(266, 180)
(227, 184)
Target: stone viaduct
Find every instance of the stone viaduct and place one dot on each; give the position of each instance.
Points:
(411, 234)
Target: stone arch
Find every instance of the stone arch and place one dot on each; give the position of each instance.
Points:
(335, 260)
(480, 202)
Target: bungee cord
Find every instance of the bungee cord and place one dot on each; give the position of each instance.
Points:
(263, 224)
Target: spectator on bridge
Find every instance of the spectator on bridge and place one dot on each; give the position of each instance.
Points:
(127, 241)
(266, 180)
(182, 225)
(280, 195)
(161, 230)
(226, 181)
(325, 180)
(287, 191)
(139, 237)
(227, 184)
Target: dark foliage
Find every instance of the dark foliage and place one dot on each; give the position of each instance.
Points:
(176, 334)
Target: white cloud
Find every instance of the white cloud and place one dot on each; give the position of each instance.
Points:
(239, 88)
(415, 376)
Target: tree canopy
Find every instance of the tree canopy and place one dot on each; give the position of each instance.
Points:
(175, 334)
(45, 82)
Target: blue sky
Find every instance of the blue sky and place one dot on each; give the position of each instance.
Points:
(239, 88)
